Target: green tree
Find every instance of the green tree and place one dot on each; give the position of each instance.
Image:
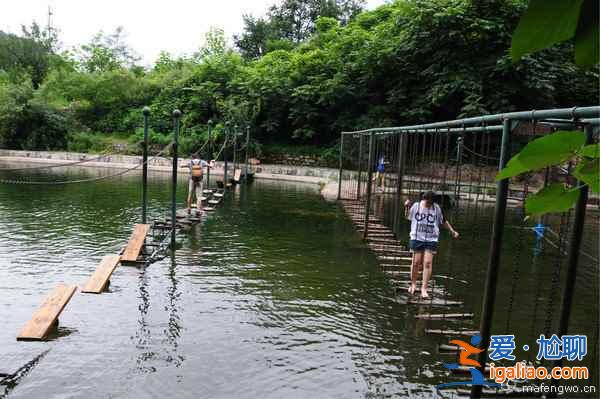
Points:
(106, 52)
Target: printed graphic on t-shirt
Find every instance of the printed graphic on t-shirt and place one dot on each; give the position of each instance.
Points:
(425, 222)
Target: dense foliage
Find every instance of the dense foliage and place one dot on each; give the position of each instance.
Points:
(299, 76)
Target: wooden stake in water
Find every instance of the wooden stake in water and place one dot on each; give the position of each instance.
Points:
(176, 117)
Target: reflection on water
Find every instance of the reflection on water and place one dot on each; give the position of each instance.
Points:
(273, 295)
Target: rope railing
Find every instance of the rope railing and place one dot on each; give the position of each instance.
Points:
(88, 180)
(59, 165)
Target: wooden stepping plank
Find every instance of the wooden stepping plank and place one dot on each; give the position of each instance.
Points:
(209, 209)
(438, 302)
(218, 195)
(47, 314)
(444, 316)
(214, 202)
(467, 333)
(136, 242)
(99, 280)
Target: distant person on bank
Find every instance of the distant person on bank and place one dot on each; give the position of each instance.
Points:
(196, 184)
(425, 218)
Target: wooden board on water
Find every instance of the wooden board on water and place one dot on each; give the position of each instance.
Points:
(437, 302)
(98, 281)
(214, 202)
(451, 332)
(444, 316)
(209, 208)
(47, 314)
(218, 195)
(136, 242)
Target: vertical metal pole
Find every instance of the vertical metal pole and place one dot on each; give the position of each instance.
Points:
(489, 294)
(339, 194)
(369, 183)
(574, 248)
(176, 116)
(225, 180)
(457, 182)
(247, 147)
(210, 154)
(146, 112)
(400, 181)
(360, 151)
(235, 133)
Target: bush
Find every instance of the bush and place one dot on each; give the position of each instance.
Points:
(27, 123)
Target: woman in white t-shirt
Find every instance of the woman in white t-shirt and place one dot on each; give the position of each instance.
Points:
(425, 218)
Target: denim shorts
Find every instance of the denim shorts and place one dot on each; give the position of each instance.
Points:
(419, 246)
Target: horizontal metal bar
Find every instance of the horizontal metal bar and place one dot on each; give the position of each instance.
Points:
(533, 115)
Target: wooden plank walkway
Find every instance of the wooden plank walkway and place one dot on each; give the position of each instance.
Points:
(136, 242)
(46, 317)
(99, 281)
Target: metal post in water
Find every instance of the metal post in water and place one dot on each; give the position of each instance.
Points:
(489, 294)
(235, 134)
(176, 117)
(369, 183)
(247, 146)
(210, 153)
(146, 112)
(574, 248)
(360, 151)
(227, 131)
(399, 209)
(339, 193)
(457, 183)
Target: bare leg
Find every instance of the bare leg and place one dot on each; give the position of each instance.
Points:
(427, 268)
(417, 261)
(199, 194)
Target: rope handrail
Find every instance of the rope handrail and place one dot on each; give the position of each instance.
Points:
(93, 179)
(479, 154)
(81, 161)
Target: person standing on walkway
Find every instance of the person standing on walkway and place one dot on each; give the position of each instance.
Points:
(379, 178)
(195, 186)
(425, 218)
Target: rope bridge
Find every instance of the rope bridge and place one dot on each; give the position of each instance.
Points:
(458, 160)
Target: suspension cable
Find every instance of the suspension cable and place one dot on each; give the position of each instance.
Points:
(93, 179)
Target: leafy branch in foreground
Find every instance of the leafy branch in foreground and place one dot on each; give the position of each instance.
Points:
(552, 150)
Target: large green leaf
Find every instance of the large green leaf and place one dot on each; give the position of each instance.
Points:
(545, 151)
(588, 171)
(545, 23)
(513, 168)
(591, 151)
(587, 36)
(552, 149)
(551, 199)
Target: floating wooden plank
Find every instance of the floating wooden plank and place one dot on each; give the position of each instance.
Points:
(100, 279)
(214, 202)
(435, 302)
(47, 314)
(209, 209)
(451, 332)
(136, 242)
(444, 316)
(218, 195)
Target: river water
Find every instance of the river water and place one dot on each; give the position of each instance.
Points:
(274, 295)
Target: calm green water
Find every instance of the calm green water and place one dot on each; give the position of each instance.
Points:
(272, 296)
